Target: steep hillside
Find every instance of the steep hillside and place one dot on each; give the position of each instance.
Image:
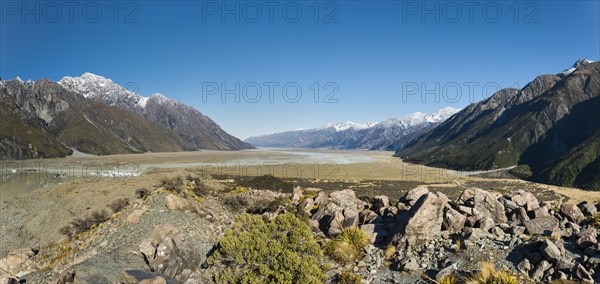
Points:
(195, 129)
(540, 126)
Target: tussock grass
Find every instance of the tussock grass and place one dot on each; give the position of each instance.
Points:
(348, 246)
(489, 275)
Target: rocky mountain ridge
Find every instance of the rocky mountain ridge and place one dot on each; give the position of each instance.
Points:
(43, 119)
(551, 120)
(390, 134)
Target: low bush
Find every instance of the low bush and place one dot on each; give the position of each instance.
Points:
(348, 277)
(82, 224)
(141, 192)
(173, 184)
(118, 204)
(282, 250)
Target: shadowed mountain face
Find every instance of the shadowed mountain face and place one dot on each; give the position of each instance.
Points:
(550, 128)
(196, 130)
(391, 134)
(43, 119)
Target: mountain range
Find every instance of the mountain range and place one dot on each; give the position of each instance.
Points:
(549, 130)
(94, 115)
(390, 134)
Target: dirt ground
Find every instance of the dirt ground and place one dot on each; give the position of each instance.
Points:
(33, 209)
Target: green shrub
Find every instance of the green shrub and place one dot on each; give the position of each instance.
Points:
(349, 245)
(522, 171)
(348, 277)
(280, 251)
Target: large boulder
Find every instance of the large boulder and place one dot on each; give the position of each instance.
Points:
(423, 222)
(487, 205)
(169, 251)
(572, 212)
(541, 226)
(413, 195)
(525, 199)
(340, 210)
(454, 221)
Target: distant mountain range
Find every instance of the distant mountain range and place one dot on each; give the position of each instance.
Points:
(390, 134)
(550, 129)
(94, 115)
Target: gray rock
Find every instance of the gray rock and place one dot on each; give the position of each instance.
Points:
(454, 222)
(587, 237)
(587, 208)
(524, 266)
(541, 226)
(539, 270)
(526, 200)
(380, 201)
(452, 269)
(550, 251)
(572, 212)
(487, 205)
(409, 263)
(415, 194)
(423, 222)
(486, 223)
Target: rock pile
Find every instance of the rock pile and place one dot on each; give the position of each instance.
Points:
(542, 242)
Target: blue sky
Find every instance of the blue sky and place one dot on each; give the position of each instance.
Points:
(370, 51)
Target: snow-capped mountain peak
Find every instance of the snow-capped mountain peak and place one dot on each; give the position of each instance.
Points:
(349, 125)
(102, 89)
(577, 64)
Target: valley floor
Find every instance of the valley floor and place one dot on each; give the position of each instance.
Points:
(38, 197)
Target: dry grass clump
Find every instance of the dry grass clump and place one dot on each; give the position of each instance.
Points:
(172, 184)
(489, 275)
(349, 245)
(118, 204)
(449, 279)
(348, 277)
(595, 220)
(82, 224)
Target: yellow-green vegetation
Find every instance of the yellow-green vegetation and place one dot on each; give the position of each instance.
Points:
(348, 246)
(239, 189)
(489, 275)
(82, 224)
(522, 171)
(389, 252)
(449, 279)
(595, 220)
(280, 251)
(309, 194)
(348, 277)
